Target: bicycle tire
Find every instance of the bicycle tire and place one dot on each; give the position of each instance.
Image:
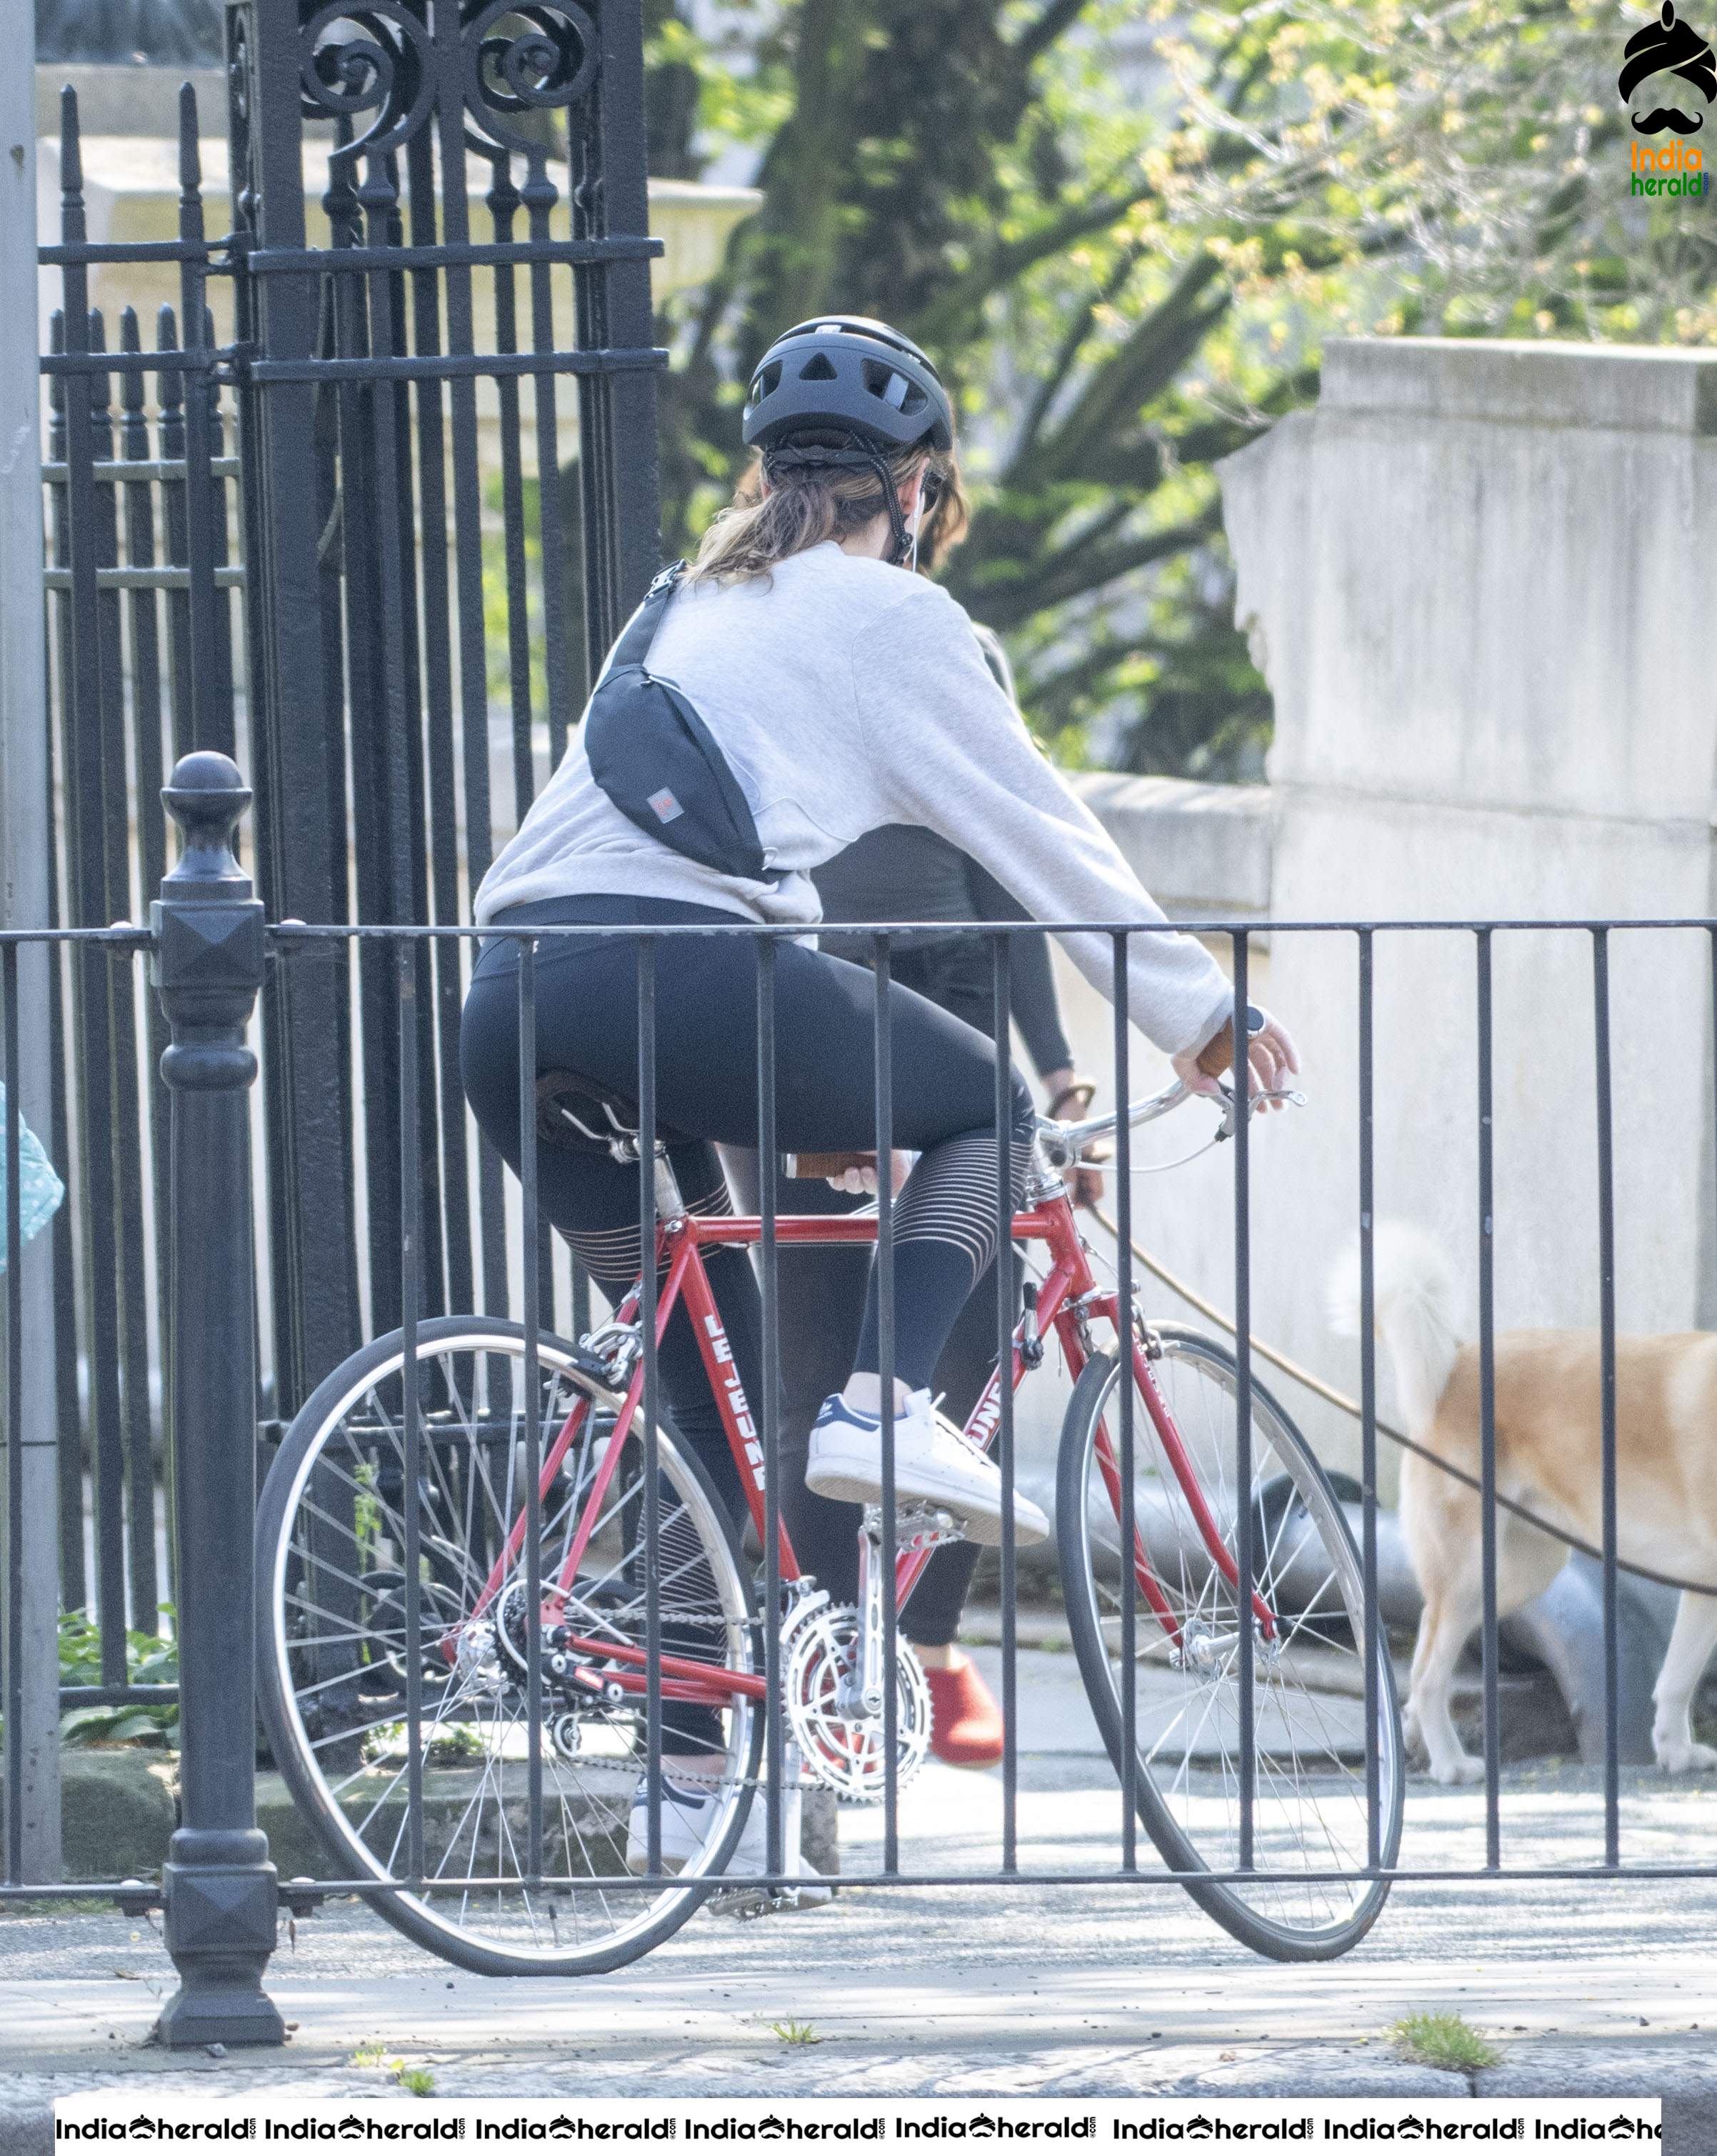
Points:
(1224, 1902)
(311, 1430)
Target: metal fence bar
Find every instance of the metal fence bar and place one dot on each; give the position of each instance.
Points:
(1001, 954)
(1606, 1352)
(530, 1407)
(162, 577)
(13, 1642)
(165, 468)
(884, 1083)
(540, 196)
(131, 1893)
(88, 777)
(503, 203)
(68, 1405)
(1487, 1416)
(1372, 1645)
(114, 1242)
(1124, 1367)
(442, 821)
(646, 949)
(144, 625)
(411, 1403)
(461, 254)
(211, 727)
(775, 1856)
(503, 364)
(1245, 1557)
(467, 587)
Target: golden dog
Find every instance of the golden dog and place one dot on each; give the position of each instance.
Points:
(1548, 1448)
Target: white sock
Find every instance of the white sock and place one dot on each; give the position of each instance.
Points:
(862, 1393)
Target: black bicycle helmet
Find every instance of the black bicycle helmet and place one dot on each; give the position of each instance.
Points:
(846, 374)
(858, 391)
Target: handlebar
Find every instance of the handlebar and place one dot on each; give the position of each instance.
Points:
(1063, 1143)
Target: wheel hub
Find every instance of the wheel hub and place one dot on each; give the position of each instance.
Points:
(477, 1660)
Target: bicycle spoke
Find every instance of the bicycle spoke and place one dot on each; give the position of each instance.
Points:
(340, 1637)
(1309, 1801)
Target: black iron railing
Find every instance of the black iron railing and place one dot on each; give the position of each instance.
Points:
(424, 1635)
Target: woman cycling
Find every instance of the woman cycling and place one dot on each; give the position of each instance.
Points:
(904, 872)
(843, 693)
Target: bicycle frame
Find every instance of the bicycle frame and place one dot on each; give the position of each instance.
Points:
(1068, 1299)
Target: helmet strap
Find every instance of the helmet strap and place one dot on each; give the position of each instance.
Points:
(902, 544)
(899, 540)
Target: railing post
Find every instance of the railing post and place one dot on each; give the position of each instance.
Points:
(220, 1887)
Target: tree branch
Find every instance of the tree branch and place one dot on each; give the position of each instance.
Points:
(1067, 353)
(1038, 691)
(1058, 15)
(1153, 353)
(1006, 605)
(1009, 259)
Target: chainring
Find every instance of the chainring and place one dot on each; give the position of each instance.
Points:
(842, 1752)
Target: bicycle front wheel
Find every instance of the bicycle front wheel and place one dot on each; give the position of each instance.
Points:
(517, 1861)
(1310, 1814)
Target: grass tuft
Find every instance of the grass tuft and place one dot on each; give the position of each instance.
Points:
(794, 2032)
(415, 2081)
(1445, 2040)
(370, 2053)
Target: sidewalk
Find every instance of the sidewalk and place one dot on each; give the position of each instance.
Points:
(1012, 1991)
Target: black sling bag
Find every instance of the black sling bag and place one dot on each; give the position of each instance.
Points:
(658, 763)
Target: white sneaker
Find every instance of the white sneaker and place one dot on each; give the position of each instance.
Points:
(935, 1464)
(691, 1813)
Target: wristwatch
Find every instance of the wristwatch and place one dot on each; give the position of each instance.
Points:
(1255, 1021)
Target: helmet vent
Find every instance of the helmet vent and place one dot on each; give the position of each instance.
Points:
(893, 388)
(820, 368)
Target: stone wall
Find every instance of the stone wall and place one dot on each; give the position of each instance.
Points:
(1480, 578)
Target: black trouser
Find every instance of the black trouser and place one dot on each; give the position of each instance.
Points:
(820, 1300)
(821, 1297)
(943, 1074)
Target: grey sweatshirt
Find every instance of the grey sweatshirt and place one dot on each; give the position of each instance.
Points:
(846, 695)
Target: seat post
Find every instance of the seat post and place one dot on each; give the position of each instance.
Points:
(669, 1204)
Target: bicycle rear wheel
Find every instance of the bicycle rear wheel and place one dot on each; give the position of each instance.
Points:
(1310, 1809)
(333, 1650)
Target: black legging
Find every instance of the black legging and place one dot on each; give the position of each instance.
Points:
(943, 1074)
(822, 1296)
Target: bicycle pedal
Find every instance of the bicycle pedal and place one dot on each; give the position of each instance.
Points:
(746, 1904)
(915, 1522)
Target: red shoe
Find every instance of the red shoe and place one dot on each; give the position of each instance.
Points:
(965, 1725)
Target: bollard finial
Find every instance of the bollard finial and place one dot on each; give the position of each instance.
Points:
(206, 798)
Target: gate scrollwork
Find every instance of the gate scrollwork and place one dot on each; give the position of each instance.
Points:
(383, 66)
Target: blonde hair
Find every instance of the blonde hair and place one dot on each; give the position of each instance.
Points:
(806, 504)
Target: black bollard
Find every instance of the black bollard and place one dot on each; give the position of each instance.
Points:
(220, 1888)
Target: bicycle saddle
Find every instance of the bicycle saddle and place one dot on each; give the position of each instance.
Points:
(585, 1115)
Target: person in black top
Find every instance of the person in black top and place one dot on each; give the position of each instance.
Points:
(904, 872)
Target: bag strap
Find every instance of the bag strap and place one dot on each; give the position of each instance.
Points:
(631, 647)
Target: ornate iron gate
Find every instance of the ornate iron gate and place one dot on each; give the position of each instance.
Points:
(397, 492)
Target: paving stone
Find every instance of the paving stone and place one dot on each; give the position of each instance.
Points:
(1684, 2074)
(25, 2127)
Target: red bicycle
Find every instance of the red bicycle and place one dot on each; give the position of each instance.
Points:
(403, 1720)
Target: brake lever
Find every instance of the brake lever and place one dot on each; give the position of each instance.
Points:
(1289, 1094)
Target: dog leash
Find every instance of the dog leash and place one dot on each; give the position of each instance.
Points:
(1328, 1393)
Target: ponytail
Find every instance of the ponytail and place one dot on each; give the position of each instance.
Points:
(804, 504)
